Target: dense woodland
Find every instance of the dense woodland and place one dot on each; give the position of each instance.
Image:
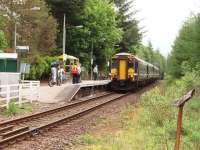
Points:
(185, 55)
(107, 27)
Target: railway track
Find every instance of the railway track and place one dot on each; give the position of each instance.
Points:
(22, 128)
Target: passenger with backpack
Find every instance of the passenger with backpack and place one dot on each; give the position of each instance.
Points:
(74, 71)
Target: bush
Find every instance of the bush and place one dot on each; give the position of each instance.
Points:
(12, 110)
(40, 67)
(159, 116)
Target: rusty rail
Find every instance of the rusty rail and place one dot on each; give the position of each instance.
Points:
(180, 104)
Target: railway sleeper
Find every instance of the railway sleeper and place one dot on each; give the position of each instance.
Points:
(6, 129)
(17, 131)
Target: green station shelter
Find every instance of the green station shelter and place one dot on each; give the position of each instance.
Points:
(8, 62)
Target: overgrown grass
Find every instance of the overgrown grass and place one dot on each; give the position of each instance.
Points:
(14, 109)
(152, 124)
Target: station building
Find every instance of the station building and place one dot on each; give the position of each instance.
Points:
(8, 68)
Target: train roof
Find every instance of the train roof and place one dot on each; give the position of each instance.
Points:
(146, 63)
(124, 54)
(137, 58)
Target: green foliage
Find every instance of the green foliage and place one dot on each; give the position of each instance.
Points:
(161, 118)
(150, 55)
(101, 29)
(186, 48)
(14, 109)
(129, 24)
(40, 67)
(151, 125)
(36, 28)
(3, 41)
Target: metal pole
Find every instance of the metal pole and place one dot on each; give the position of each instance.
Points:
(179, 126)
(91, 71)
(64, 36)
(15, 38)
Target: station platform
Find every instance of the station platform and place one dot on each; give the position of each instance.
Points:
(66, 91)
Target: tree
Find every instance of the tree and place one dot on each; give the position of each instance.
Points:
(73, 9)
(3, 42)
(150, 55)
(186, 48)
(100, 31)
(128, 23)
(36, 29)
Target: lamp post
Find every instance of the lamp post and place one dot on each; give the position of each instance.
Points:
(14, 15)
(64, 35)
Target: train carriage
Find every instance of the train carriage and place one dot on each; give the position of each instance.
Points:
(129, 72)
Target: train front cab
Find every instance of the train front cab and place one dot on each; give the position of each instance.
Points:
(122, 73)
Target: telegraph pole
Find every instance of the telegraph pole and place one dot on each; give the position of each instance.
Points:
(64, 36)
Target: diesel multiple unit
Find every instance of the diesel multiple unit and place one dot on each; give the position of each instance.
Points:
(129, 72)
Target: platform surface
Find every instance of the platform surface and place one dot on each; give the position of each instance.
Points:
(66, 91)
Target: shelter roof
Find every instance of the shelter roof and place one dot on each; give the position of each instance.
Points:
(8, 55)
(65, 57)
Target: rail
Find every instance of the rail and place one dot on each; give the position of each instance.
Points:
(13, 136)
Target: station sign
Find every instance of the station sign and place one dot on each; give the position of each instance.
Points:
(22, 49)
(25, 68)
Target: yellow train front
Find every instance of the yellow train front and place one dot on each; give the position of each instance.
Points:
(129, 72)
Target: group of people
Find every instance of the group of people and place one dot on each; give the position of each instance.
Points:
(57, 74)
(76, 73)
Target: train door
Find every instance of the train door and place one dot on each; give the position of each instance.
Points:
(136, 68)
(122, 69)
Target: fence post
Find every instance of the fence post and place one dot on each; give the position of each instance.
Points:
(7, 96)
(20, 95)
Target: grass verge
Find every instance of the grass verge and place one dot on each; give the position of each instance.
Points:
(151, 125)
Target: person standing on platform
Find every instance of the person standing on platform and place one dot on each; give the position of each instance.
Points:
(79, 73)
(54, 73)
(61, 74)
(74, 74)
(95, 72)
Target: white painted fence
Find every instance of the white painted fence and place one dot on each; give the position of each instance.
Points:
(26, 91)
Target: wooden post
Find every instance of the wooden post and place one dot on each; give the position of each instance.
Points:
(179, 126)
(180, 104)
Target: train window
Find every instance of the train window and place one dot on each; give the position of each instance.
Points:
(130, 64)
(114, 63)
(136, 67)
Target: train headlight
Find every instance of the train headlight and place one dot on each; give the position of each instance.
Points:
(114, 73)
(131, 73)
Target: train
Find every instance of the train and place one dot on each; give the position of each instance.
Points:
(129, 72)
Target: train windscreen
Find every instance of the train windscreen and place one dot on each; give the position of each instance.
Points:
(114, 63)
